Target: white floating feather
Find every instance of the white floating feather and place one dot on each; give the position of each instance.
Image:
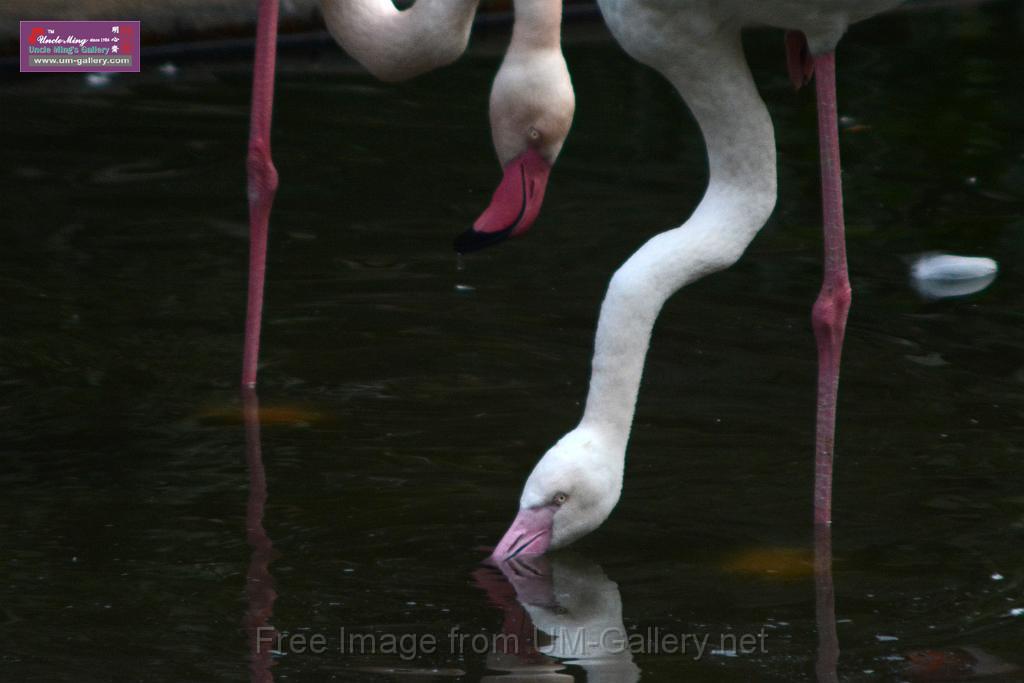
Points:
(941, 276)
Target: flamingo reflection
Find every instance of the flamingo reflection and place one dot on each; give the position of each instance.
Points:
(827, 665)
(558, 611)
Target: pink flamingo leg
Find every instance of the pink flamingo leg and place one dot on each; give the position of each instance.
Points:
(833, 304)
(262, 180)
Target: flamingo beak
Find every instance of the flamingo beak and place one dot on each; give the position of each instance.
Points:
(530, 534)
(514, 206)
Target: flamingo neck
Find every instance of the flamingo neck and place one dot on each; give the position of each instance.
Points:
(739, 198)
(538, 25)
(395, 45)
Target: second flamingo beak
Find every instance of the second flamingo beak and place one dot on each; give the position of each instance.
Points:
(530, 534)
(514, 206)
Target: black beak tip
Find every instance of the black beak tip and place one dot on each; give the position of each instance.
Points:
(471, 240)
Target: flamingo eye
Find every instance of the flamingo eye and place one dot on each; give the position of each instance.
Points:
(534, 133)
(560, 499)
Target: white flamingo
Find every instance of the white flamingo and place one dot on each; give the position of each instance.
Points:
(696, 45)
(531, 108)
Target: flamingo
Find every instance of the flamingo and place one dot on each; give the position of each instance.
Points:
(531, 109)
(696, 45)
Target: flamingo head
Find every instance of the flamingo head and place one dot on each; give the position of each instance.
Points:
(570, 492)
(532, 105)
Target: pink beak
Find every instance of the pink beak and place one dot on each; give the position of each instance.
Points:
(530, 534)
(514, 206)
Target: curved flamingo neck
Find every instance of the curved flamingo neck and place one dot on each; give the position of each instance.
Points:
(739, 198)
(395, 45)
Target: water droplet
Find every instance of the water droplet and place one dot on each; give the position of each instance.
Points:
(98, 80)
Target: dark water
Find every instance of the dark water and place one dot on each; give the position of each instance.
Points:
(405, 396)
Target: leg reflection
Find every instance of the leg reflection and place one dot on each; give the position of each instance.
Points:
(825, 606)
(259, 587)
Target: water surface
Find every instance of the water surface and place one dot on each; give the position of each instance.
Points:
(406, 394)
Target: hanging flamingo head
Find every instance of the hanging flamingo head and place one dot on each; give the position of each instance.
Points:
(570, 492)
(532, 105)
